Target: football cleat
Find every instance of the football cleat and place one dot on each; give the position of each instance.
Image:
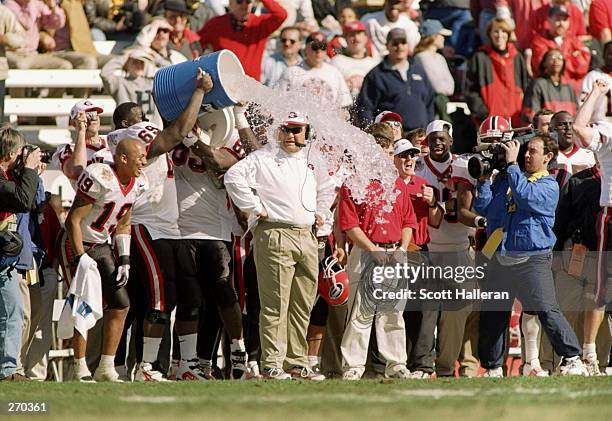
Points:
(192, 370)
(351, 375)
(573, 367)
(146, 373)
(305, 373)
(239, 368)
(592, 366)
(275, 374)
(494, 372)
(534, 370)
(399, 372)
(420, 375)
(107, 374)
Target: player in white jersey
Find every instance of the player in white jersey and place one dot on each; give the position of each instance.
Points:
(571, 158)
(102, 207)
(603, 108)
(205, 223)
(90, 146)
(598, 138)
(453, 187)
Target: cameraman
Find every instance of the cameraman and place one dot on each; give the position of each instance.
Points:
(520, 210)
(17, 193)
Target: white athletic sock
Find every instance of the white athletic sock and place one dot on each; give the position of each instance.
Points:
(107, 361)
(589, 352)
(531, 331)
(150, 348)
(237, 345)
(314, 360)
(80, 367)
(187, 345)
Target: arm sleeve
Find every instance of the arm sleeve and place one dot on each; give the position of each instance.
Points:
(19, 196)
(598, 18)
(483, 198)
(531, 102)
(472, 90)
(326, 194)
(272, 21)
(239, 184)
(347, 211)
(539, 197)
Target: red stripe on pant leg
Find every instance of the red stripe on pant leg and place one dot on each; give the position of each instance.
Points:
(602, 240)
(155, 276)
(238, 273)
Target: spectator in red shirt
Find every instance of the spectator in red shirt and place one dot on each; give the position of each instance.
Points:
(363, 226)
(405, 157)
(559, 36)
(539, 21)
(243, 32)
(600, 20)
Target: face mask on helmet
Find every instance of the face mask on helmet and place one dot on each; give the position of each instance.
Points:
(333, 282)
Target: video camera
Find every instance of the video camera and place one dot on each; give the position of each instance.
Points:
(493, 156)
(45, 156)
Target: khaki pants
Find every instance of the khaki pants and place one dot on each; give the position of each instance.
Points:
(573, 296)
(286, 259)
(389, 327)
(458, 340)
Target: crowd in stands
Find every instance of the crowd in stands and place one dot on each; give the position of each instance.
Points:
(392, 71)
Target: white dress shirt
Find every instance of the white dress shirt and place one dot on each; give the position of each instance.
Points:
(284, 184)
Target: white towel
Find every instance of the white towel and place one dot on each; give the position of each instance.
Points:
(83, 305)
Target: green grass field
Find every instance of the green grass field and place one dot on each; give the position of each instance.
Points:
(518, 399)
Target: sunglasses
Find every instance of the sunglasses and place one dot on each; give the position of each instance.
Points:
(243, 1)
(294, 130)
(318, 46)
(289, 40)
(394, 124)
(408, 154)
(397, 42)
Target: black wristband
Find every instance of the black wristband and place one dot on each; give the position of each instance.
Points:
(511, 163)
(124, 260)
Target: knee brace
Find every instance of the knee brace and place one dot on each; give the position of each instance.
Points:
(157, 317)
(187, 314)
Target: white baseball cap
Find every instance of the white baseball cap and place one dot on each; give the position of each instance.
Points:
(403, 145)
(439, 126)
(387, 116)
(296, 118)
(144, 131)
(84, 105)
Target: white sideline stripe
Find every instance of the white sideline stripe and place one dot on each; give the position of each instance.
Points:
(51, 107)
(385, 397)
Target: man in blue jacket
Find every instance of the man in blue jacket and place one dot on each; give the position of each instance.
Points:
(397, 85)
(520, 210)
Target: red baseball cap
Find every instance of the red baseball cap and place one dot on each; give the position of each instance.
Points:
(387, 116)
(354, 26)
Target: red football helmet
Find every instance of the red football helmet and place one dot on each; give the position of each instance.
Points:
(494, 127)
(333, 282)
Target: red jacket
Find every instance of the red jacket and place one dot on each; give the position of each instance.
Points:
(496, 83)
(577, 57)
(249, 43)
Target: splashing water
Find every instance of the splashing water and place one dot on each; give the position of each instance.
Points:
(335, 143)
